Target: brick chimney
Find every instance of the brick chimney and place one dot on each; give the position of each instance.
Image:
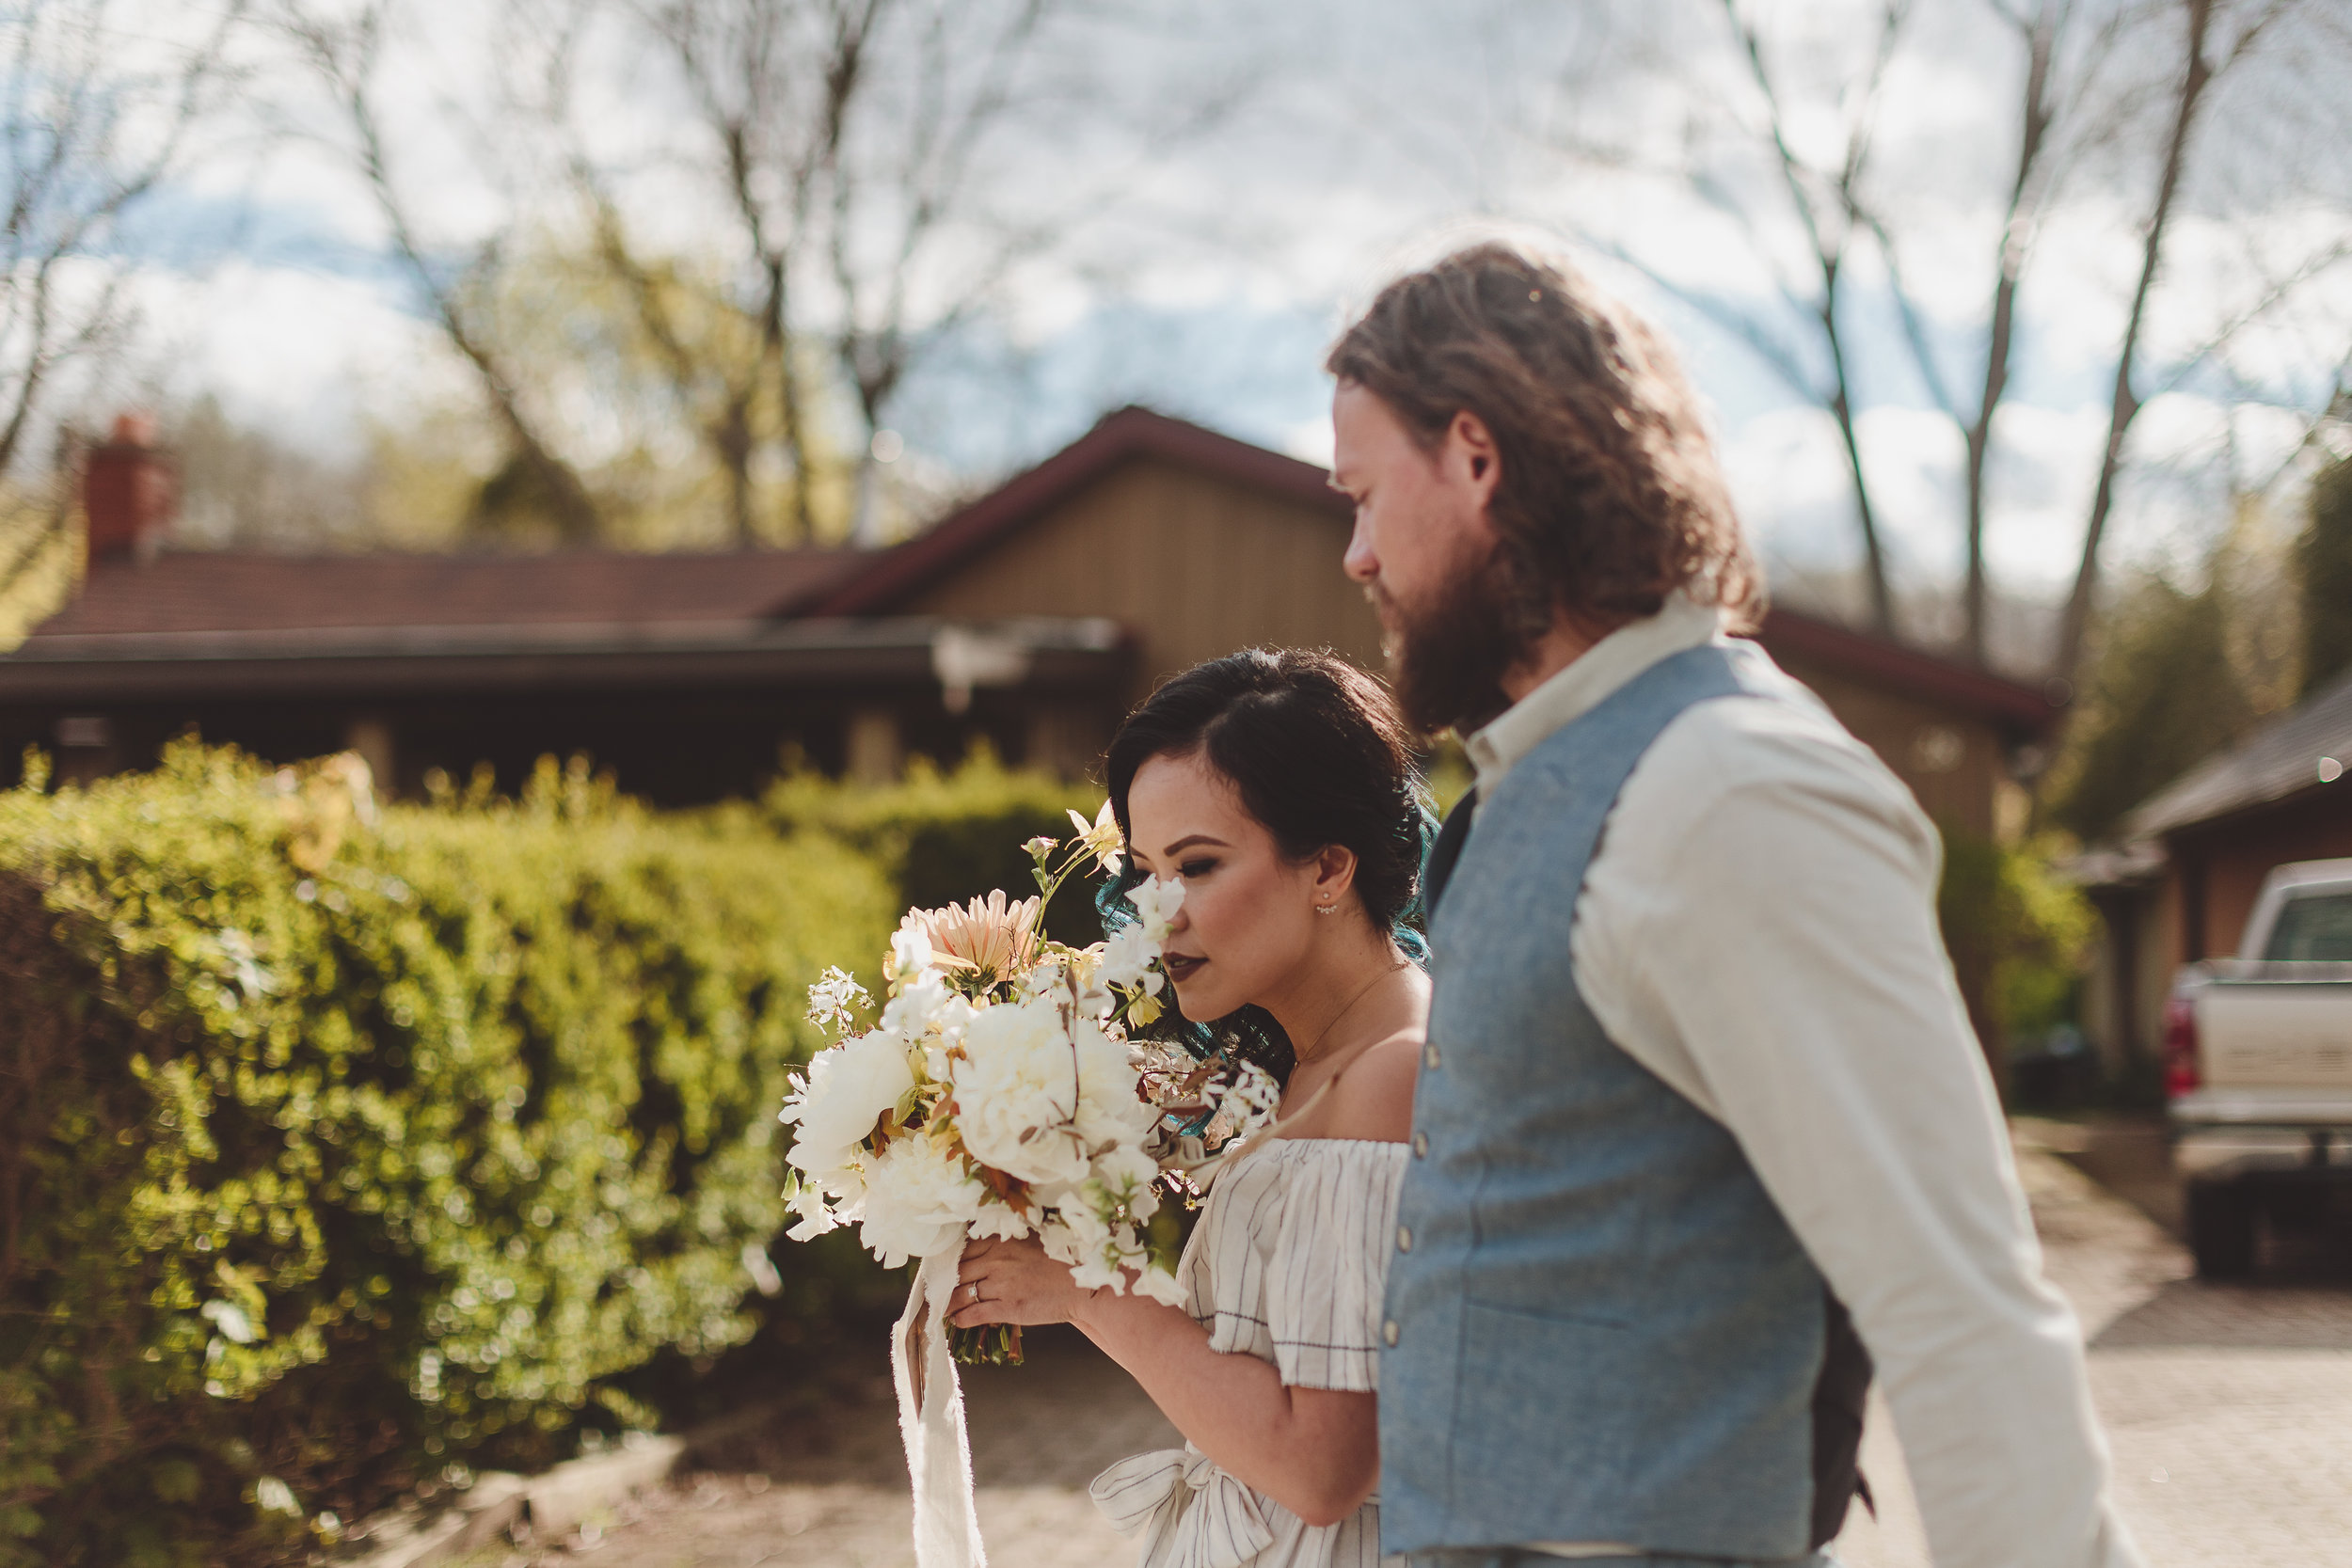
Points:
(130, 492)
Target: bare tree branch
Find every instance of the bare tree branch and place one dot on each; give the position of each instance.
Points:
(347, 58)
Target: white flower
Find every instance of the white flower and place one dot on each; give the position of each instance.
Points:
(831, 999)
(815, 1218)
(1101, 837)
(1128, 958)
(1098, 1252)
(921, 1003)
(1040, 846)
(1161, 1286)
(1018, 1091)
(847, 1087)
(919, 1201)
(1157, 900)
(909, 951)
(1000, 1221)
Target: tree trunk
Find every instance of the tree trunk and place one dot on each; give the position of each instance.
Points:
(2075, 630)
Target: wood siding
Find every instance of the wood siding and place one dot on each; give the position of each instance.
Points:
(1955, 765)
(1193, 565)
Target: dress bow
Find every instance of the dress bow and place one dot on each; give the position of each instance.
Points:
(1192, 1514)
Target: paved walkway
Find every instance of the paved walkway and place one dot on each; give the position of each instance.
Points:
(2230, 1411)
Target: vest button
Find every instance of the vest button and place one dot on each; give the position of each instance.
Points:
(1388, 1331)
(1429, 1055)
(1420, 1145)
(1404, 1238)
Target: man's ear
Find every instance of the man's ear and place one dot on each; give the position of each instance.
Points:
(1471, 453)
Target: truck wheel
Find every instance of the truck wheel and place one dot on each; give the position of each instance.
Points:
(2221, 1230)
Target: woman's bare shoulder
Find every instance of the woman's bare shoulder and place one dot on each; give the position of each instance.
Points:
(1374, 1096)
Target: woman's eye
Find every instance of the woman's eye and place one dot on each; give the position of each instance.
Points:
(1196, 868)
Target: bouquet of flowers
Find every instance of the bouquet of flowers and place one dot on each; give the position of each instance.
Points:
(1008, 1090)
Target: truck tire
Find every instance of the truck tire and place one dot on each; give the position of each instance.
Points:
(2221, 1230)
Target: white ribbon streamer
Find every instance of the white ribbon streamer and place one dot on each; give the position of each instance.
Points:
(931, 1419)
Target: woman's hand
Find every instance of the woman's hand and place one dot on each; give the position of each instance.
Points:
(1013, 1282)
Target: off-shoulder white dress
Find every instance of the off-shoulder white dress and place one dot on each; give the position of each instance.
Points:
(1287, 1265)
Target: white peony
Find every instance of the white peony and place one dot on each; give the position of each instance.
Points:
(1019, 1089)
(919, 1201)
(846, 1088)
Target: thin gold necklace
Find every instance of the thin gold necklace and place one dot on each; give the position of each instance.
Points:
(1302, 1058)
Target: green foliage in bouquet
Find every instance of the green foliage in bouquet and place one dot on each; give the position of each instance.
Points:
(950, 836)
(340, 1147)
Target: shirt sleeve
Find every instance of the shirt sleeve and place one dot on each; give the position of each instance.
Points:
(1759, 929)
(1329, 1263)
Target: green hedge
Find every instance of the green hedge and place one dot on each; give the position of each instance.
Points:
(2019, 937)
(943, 837)
(337, 1149)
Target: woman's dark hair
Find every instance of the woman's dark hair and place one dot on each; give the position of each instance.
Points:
(1317, 751)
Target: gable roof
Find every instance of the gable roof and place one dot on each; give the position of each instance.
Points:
(2024, 712)
(2282, 756)
(885, 580)
(203, 591)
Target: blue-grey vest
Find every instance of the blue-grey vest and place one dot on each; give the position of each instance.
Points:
(1598, 1326)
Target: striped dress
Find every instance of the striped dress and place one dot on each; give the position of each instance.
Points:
(1287, 1265)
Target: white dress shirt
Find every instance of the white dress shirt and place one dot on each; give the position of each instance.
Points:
(1758, 927)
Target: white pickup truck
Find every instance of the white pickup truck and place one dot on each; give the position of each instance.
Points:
(2260, 1045)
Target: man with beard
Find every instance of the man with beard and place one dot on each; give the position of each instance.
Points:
(1698, 1080)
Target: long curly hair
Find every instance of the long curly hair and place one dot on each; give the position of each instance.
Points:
(1610, 497)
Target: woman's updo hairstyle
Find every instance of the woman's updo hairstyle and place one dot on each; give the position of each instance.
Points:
(1316, 750)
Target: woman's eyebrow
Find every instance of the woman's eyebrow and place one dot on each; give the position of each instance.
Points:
(1189, 841)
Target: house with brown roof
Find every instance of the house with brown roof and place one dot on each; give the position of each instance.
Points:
(2190, 861)
(1031, 618)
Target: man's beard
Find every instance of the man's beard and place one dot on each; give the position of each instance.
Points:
(1447, 658)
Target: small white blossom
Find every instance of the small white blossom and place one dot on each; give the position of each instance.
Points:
(1128, 958)
(1157, 900)
(1101, 837)
(832, 999)
(910, 953)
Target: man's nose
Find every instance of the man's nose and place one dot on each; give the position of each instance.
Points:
(1361, 561)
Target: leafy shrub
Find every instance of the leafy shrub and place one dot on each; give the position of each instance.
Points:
(2017, 933)
(947, 837)
(338, 1147)
(2322, 560)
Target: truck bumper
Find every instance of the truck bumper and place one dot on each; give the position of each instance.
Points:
(2289, 1110)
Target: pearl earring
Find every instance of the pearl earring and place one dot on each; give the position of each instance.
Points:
(1326, 909)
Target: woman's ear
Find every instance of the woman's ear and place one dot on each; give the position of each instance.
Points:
(1335, 874)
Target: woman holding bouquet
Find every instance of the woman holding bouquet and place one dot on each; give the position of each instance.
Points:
(1278, 787)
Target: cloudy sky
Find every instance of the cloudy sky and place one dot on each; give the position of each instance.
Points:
(1361, 133)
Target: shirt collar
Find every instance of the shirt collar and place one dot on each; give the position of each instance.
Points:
(1680, 624)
